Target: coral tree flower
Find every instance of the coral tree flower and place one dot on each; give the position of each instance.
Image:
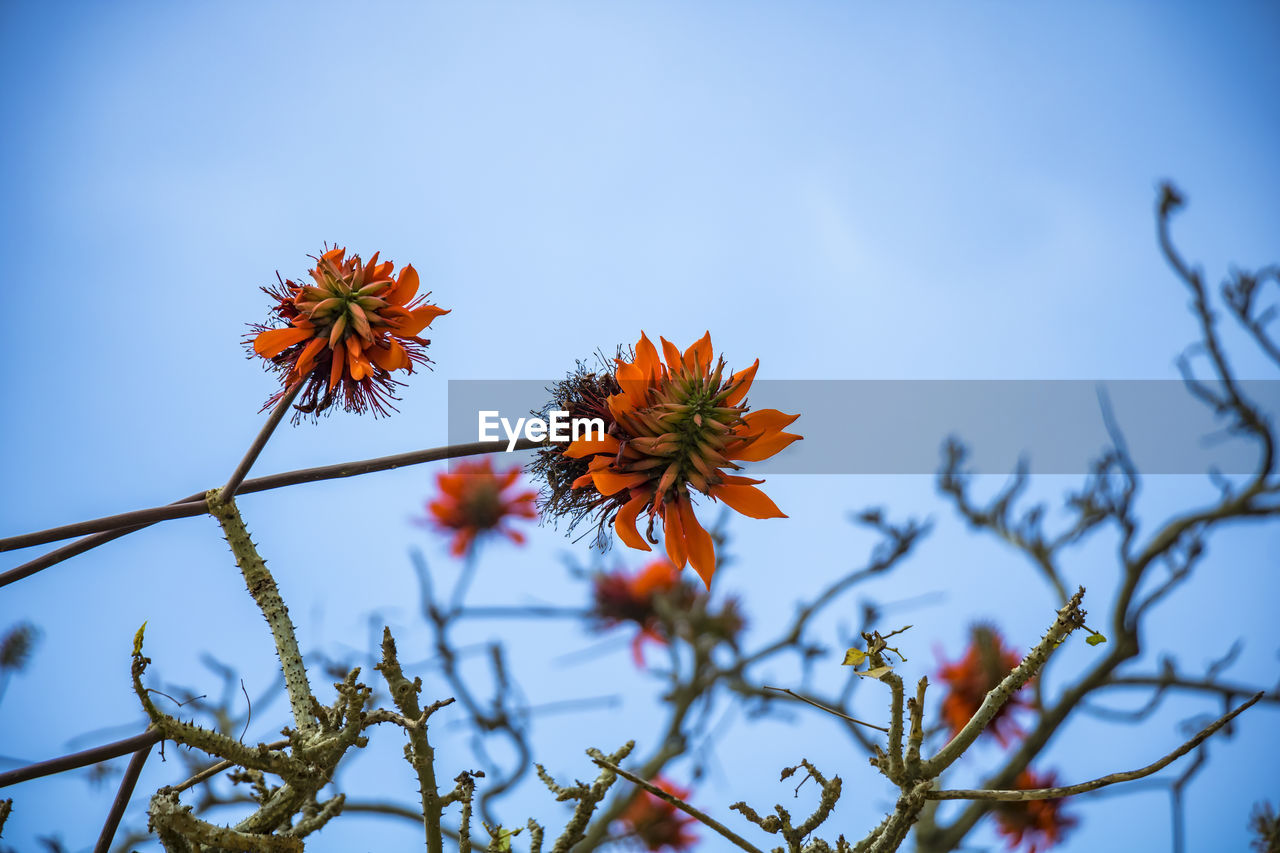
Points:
(346, 332)
(620, 597)
(1040, 824)
(657, 824)
(985, 664)
(674, 427)
(474, 501)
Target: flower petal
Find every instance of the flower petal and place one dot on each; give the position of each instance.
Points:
(702, 550)
(673, 532)
(405, 288)
(646, 357)
(764, 420)
(611, 482)
(698, 355)
(356, 363)
(625, 523)
(339, 359)
(590, 444)
(671, 352)
(272, 342)
(392, 357)
(462, 542)
(307, 358)
(764, 447)
(633, 382)
(418, 320)
(745, 377)
(748, 500)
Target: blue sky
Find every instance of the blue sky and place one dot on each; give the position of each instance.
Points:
(847, 191)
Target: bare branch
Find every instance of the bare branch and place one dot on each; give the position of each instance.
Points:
(121, 802)
(259, 442)
(1102, 781)
(667, 797)
(106, 752)
(819, 705)
(115, 526)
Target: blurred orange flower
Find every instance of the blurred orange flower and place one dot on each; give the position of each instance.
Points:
(968, 681)
(474, 502)
(674, 427)
(1040, 824)
(657, 824)
(345, 334)
(620, 597)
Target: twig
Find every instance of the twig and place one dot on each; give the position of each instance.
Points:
(678, 803)
(419, 753)
(1100, 782)
(214, 770)
(248, 716)
(795, 695)
(517, 611)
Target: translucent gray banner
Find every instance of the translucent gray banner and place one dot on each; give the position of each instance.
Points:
(900, 426)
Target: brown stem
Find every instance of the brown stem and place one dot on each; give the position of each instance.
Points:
(114, 526)
(76, 760)
(121, 802)
(264, 434)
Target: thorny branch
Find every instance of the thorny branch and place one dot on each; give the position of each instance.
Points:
(1102, 781)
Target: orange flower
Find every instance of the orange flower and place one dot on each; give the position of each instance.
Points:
(657, 824)
(985, 664)
(346, 333)
(673, 427)
(473, 502)
(1039, 823)
(620, 597)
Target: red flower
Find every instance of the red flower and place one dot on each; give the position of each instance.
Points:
(473, 502)
(620, 597)
(677, 427)
(984, 665)
(345, 334)
(1038, 823)
(657, 824)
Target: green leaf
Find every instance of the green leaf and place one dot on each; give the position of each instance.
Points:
(1095, 639)
(137, 640)
(853, 657)
(502, 838)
